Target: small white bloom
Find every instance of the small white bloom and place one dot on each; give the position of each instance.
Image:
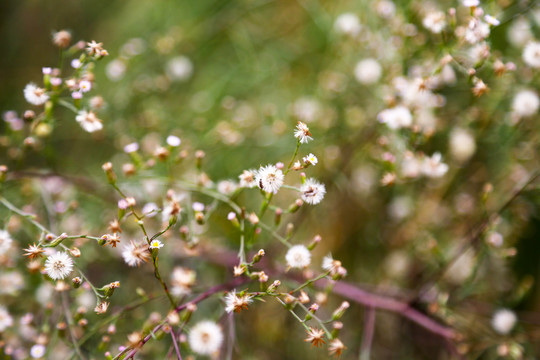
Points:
(312, 191)
(205, 338)
(85, 86)
(179, 68)
(182, 279)
(115, 70)
(5, 319)
(367, 71)
(435, 21)
(75, 63)
(46, 70)
(311, 159)
(347, 24)
(411, 167)
(58, 265)
(197, 206)
(11, 282)
(247, 178)
(77, 95)
(471, 3)
(269, 179)
(302, 133)
(433, 166)
(37, 351)
(150, 209)
(525, 103)
(89, 121)
(35, 95)
(237, 303)
(306, 109)
(491, 20)
(503, 321)
(328, 262)
(133, 147)
(531, 54)
(156, 244)
(5, 242)
(476, 31)
(226, 187)
(462, 144)
(173, 141)
(396, 118)
(298, 256)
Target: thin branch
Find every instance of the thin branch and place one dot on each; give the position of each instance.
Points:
(367, 337)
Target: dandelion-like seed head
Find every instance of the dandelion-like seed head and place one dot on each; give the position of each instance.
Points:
(298, 256)
(315, 337)
(58, 265)
(205, 338)
(269, 179)
(312, 191)
(237, 303)
(35, 95)
(135, 254)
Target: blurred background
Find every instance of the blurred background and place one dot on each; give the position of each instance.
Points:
(233, 78)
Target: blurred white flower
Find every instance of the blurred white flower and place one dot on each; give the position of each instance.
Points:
(312, 191)
(503, 321)
(11, 282)
(132, 147)
(150, 209)
(410, 165)
(396, 118)
(5, 319)
(347, 24)
(173, 141)
(182, 279)
(205, 338)
(519, 32)
(433, 166)
(38, 351)
(462, 144)
(85, 86)
(35, 95)
(298, 256)
(89, 121)
(491, 20)
(115, 70)
(226, 187)
(367, 71)
(179, 68)
(58, 265)
(237, 303)
(525, 103)
(5, 242)
(470, 3)
(531, 54)
(435, 21)
(269, 178)
(302, 133)
(134, 254)
(306, 109)
(247, 178)
(476, 31)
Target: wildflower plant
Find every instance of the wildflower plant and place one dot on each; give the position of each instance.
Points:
(203, 212)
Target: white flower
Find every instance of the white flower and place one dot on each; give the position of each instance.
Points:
(476, 31)
(5, 242)
(525, 103)
(150, 209)
(156, 244)
(197, 206)
(247, 178)
(85, 86)
(182, 279)
(5, 319)
(35, 95)
(89, 121)
(433, 167)
(471, 3)
(179, 68)
(462, 144)
(37, 351)
(302, 133)
(115, 70)
(410, 165)
(396, 118)
(132, 147)
(298, 256)
(58, 265)
(503, 321)
(312, 191)
(173, 141)
(367, 71)
(11, 282)
(75, 63)
(348, 24)
(306, 109)
(205, 338)
(435, 21)
(226, 187)
(237, 303)
(135, 254)
(491, 20)
(531, 54)
(269, 178)
(311, 159)
(328, 262)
